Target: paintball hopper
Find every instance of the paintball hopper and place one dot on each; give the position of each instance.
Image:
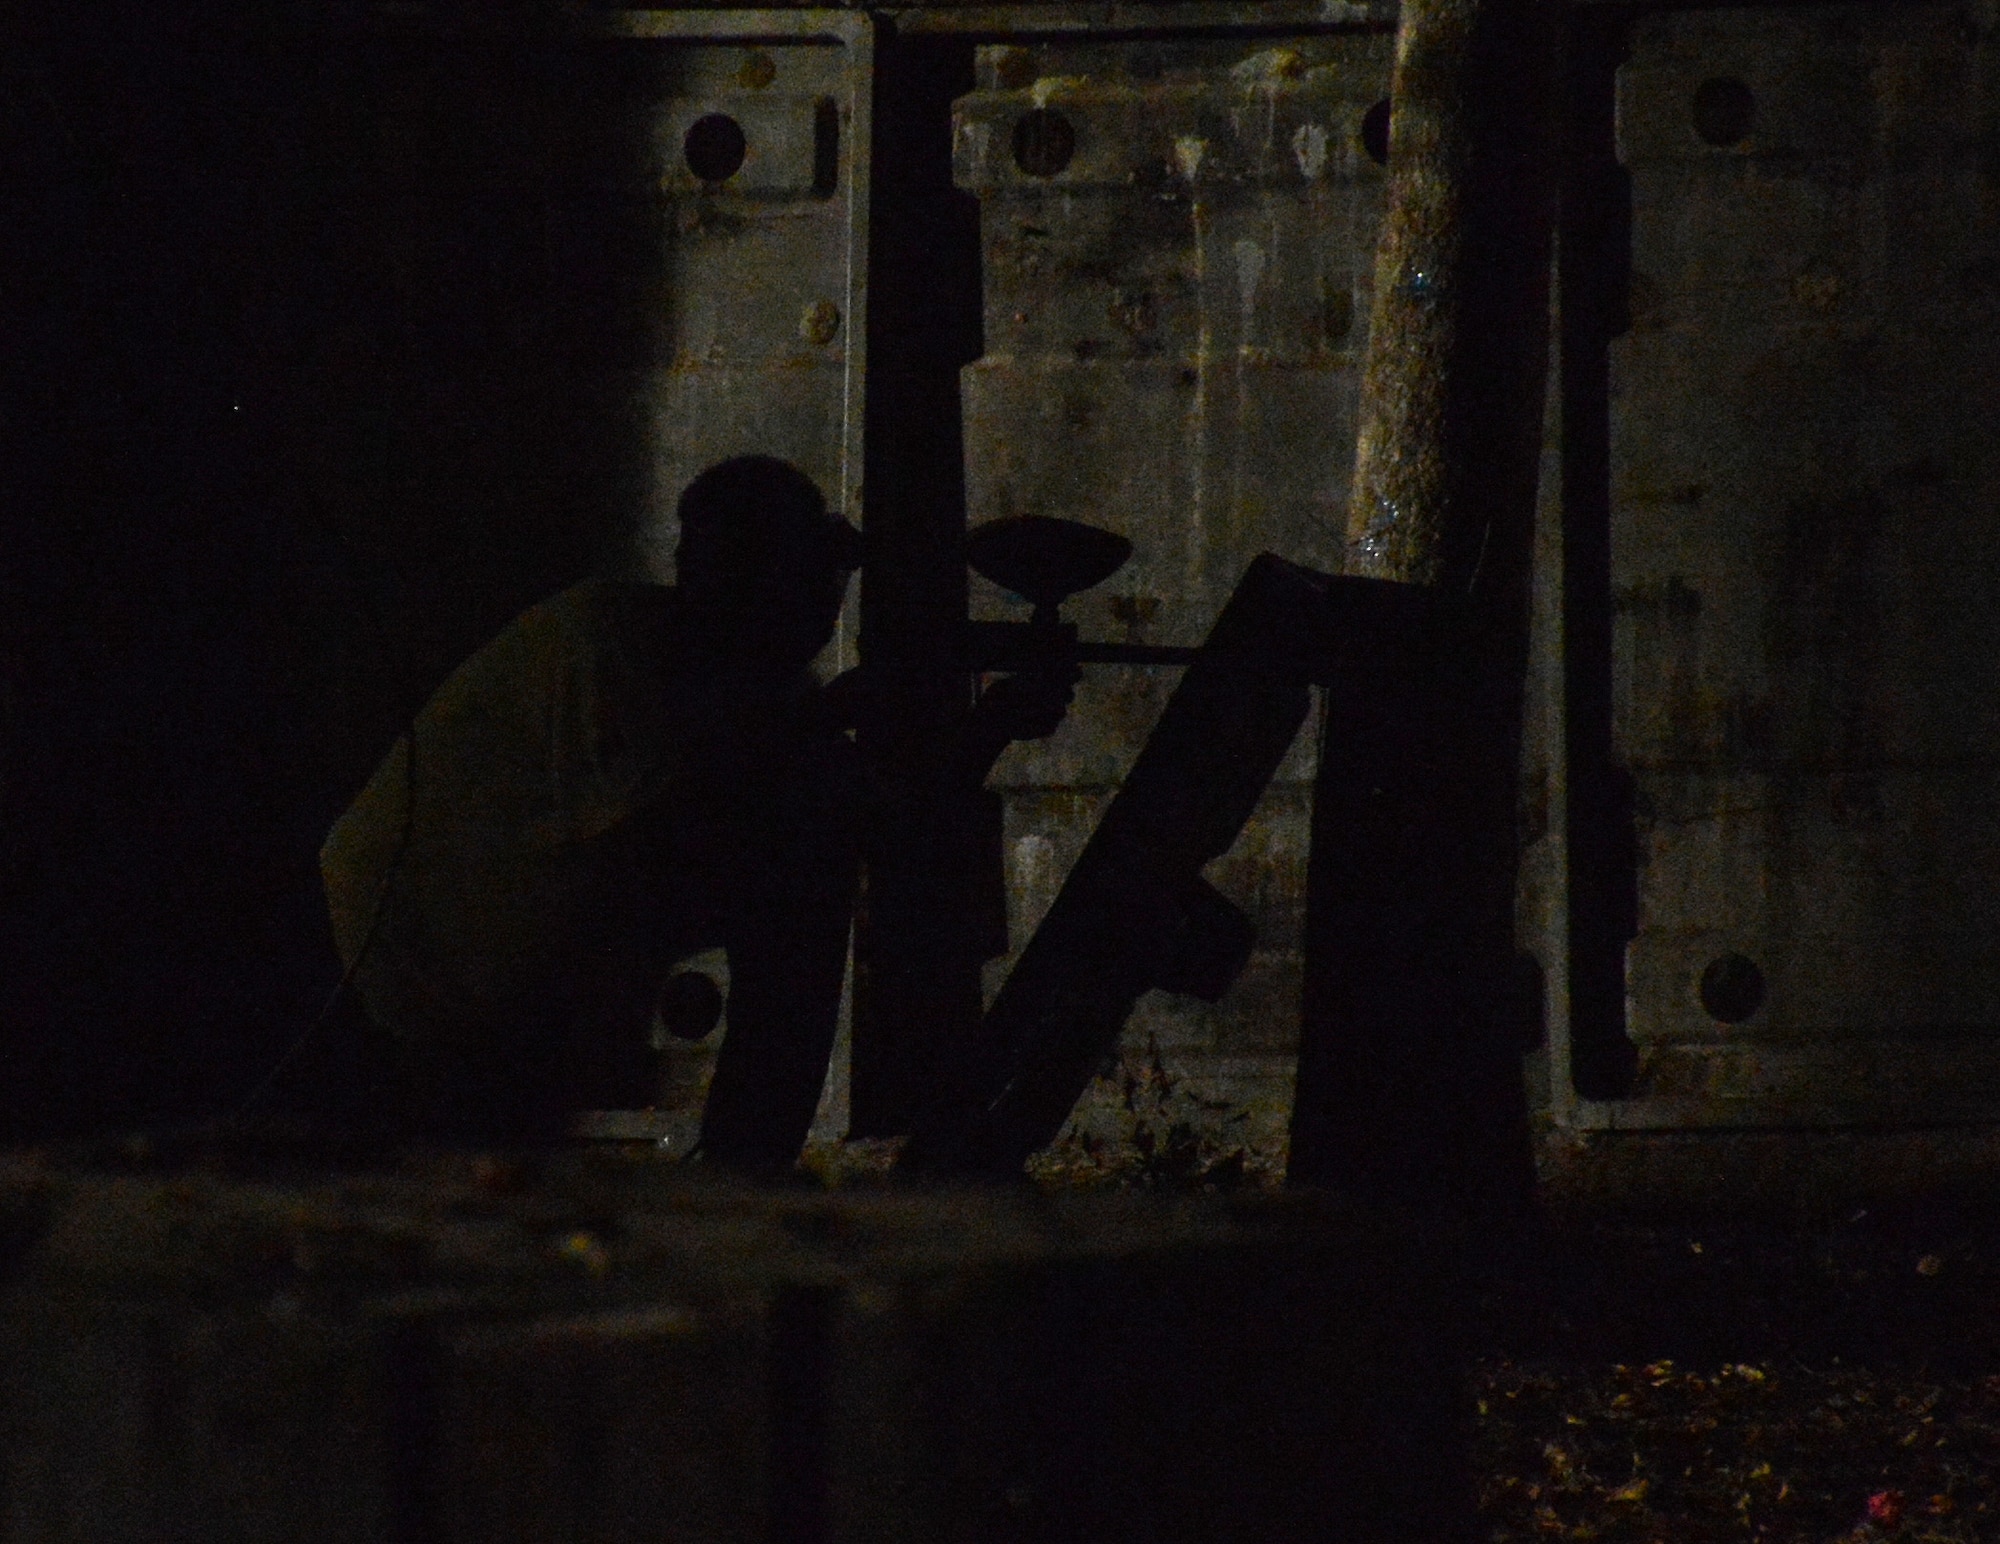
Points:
(1044, 560)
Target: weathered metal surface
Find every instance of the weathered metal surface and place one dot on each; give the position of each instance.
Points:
(1135, 912)
(698, 180)
(1804, 1176)
(1803, 561)
(463, 1350)
(1173, 321)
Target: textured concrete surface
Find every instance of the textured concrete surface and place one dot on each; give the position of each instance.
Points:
(1802, 567)
(1174, 318)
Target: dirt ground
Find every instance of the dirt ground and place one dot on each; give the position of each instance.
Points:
(1675, 1382)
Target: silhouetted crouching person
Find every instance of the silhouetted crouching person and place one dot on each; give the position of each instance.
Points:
(626, 775)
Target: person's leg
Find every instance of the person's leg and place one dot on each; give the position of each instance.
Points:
(652, 909)
(786, 934)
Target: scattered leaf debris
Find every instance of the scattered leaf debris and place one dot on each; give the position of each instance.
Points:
(1774, 1387)
(1796, 1454)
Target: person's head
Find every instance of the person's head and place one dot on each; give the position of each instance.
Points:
(762, 565)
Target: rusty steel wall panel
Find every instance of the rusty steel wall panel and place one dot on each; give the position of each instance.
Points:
(1803, 568)
(1173, 322)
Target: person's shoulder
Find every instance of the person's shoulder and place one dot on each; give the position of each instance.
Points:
(611, 603)
(588, 617)
(626, 619)
(572, 627)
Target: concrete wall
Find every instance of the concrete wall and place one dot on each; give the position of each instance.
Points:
(1174, 320)
(1800, 534)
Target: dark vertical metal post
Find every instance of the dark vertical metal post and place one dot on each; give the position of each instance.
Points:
(1409, 1073)
(916, 977)
(1596, 243)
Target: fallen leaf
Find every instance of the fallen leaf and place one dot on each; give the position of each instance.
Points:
(1885, 1508)
(585, 1250)
(1636, 1491)
(1929, 1265)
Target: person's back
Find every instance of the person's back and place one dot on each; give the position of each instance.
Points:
(456, 898)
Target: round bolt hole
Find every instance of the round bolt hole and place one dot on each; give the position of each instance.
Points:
(1732, 988)
(714, 147)
(690, 1005)
(1724, 110)
(1375, 132)
(1044, 141)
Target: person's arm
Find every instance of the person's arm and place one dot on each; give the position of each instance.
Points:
(1028, 705)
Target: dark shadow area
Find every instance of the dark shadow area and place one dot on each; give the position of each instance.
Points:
(1595, 245)
(627, 774)
(935, 904)
(305, 394)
